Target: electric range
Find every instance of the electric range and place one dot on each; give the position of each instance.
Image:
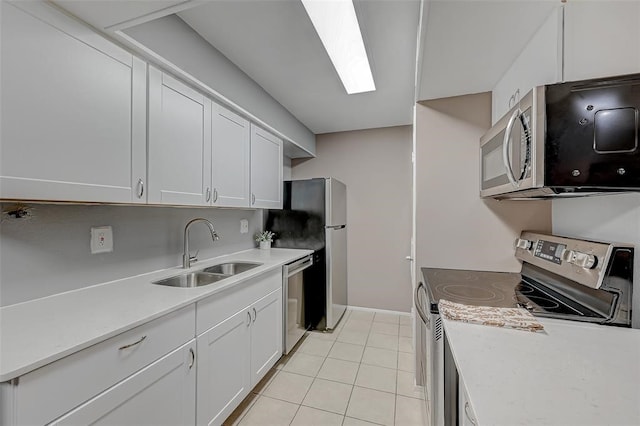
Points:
(564, 278)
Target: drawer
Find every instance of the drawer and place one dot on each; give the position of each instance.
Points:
(48, 392)
(217, 308)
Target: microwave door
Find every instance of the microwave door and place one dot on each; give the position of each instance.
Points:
(506, 162)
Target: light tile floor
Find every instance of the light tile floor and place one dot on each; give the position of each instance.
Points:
(361, 374)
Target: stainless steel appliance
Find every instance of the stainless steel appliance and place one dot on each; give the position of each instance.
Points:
(567, 139)
(315, 217)
(294, 301)
(563, 278)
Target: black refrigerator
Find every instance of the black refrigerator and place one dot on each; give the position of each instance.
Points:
(314, 216)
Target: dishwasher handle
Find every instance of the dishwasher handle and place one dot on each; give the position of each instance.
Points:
(300, 265)
(416, 301)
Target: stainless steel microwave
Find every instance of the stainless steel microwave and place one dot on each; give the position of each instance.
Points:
(567, 139)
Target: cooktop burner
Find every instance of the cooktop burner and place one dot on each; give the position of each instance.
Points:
(542, 301)
(481, 288)
(464, 291)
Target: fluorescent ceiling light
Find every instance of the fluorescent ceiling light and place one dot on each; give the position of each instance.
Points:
(337, 26)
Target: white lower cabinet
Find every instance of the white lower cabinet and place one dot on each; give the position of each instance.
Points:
(162, 393)
(223, 373)
(237, 352)
(266, 335)
(466, 416)
(158, 373)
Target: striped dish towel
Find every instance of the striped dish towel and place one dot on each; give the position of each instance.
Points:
(517, 318)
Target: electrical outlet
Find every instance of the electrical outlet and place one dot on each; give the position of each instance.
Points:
(101, 239)
(244, 226)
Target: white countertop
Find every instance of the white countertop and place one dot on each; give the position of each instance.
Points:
(38, 332)
(571, 374)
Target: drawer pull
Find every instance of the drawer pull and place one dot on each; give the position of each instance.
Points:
(132, 344)
(255, 314)
(249, 315)
(193, 358)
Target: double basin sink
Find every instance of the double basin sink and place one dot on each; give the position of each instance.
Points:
(209, 275)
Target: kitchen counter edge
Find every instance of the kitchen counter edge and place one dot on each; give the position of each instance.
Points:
(39, 332)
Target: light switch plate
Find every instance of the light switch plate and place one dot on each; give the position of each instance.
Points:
(244, 226)
(101, 239)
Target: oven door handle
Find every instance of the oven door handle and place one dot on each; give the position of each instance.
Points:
(416, 301)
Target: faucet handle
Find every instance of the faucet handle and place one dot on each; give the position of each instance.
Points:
(194, 258)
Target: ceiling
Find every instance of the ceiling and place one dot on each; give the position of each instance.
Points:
(466, 46)
(274, 42)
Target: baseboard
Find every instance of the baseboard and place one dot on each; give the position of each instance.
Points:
(382, 311)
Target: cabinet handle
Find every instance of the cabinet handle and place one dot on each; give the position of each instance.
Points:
(208, 194)
(466, 412)
(255, 314)
(249, 315)
(215, 195)
(193, 358)
(140, 188)
(132, 344)
(253, 198)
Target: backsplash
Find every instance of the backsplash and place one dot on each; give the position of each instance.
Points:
(608, 218)
(49, 252)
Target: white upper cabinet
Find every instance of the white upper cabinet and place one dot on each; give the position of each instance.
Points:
(230, 135)
(540, 62)
(266, 169)
(602, 38)
(179, 142)
(73, 111)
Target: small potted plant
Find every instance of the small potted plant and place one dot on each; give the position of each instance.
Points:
(265, 238)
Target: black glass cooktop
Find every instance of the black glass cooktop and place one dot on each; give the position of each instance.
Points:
(499, 289)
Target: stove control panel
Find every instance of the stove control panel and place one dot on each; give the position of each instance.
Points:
(582, 261)
(549, 250)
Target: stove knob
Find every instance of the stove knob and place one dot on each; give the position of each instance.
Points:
(583, 260)
(523, 244)
(588, 261)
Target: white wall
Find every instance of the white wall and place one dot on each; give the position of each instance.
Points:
(608, 218)
(49, 253)
(375, 165)
(174, 40)
(455, 228)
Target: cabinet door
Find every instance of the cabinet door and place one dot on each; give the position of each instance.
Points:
(466, 415)
(73, 111)
(266, 334)
(179, 142)
(162, 393)
(602, 38)
(540, 62)
(223, 368)
(230, 135)
(266, 169)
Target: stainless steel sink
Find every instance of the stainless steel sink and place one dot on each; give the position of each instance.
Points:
(231, 268)
(194, 279)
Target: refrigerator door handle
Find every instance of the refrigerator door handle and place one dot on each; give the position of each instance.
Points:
(336, 226)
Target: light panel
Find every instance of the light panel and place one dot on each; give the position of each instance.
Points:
(337, 26)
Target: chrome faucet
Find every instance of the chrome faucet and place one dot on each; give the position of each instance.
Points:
(186, 257)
